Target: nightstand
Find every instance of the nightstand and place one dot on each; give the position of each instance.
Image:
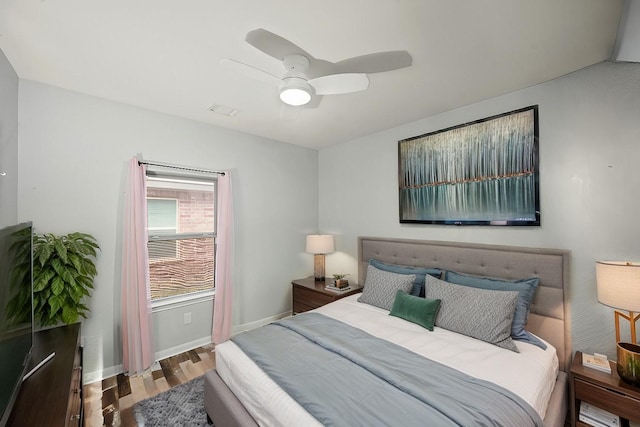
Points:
(309, 294)
(606, 391)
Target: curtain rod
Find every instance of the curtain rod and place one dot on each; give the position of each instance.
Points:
(165, 165)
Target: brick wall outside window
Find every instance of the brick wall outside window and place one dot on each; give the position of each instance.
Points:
(190, 264)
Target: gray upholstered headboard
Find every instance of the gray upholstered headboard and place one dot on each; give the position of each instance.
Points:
(549, 316)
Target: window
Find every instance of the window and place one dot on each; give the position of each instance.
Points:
(162, 218)
(181, 224)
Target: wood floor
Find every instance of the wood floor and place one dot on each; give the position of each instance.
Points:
(109, 402)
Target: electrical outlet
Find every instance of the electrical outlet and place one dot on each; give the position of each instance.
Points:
(187, 318)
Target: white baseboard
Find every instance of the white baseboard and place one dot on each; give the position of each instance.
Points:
(91, 377)
(256, 324)
(182, 348)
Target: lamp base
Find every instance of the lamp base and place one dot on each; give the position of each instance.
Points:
(628, 364)
(632, 318)
(318, 266)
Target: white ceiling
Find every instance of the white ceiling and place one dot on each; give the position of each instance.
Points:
(164, 55)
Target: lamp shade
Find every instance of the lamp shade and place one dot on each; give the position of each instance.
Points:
(320, 244)
(618, 284)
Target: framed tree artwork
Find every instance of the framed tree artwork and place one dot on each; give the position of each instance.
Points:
(479, 173)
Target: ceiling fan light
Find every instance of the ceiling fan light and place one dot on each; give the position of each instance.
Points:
(296, 92)
(295, 96)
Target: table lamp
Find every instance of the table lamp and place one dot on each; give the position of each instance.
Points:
(319, 245)
(618, 285)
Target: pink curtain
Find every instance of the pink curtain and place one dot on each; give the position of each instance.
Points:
(224, 262)
(137, 339)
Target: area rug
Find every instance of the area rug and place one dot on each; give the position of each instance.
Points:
(182, 405)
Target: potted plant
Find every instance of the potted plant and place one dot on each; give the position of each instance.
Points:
(19, 307)
(63, 273)
(340, 281)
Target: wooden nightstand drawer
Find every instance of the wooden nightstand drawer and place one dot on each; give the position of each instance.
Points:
(309, 293)
(310, 298)
(602, 397)
(603, 390)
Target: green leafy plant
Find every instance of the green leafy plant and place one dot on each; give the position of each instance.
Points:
(339, 281)
(63, 273)
(19, 307)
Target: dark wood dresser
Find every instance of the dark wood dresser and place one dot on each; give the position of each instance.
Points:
(52, 396)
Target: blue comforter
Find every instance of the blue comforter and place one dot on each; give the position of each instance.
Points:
(345, 377)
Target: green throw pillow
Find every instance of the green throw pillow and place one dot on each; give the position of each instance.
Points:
(420, 311)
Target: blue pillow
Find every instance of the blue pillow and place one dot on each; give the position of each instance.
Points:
(526, 289)
(420, 272)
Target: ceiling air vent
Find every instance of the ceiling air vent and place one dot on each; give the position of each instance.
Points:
(223, 110)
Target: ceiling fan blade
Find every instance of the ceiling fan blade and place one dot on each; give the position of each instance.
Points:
(250, 71)
(375, 62)
(272, 44)
(334, 84)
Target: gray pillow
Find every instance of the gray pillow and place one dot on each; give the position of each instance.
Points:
(380, 287)
(479, 313)
(526, 289)
(420, 272)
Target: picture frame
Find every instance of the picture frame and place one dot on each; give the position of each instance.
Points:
(484, 172)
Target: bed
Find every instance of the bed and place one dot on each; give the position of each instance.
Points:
(238, 392)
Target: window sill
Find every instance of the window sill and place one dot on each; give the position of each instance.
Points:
(170, 303)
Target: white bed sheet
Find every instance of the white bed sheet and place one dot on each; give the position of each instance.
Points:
(531, 374)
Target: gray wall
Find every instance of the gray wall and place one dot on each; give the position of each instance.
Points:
(74, 148)
(8, 143)
(589, 180)
(73, 154)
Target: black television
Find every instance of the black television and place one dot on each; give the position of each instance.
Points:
(16, 311)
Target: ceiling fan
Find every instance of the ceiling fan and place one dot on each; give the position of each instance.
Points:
(306, 77)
